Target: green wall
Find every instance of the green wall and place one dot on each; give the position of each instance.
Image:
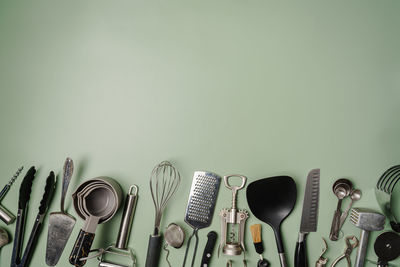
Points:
(260, 88)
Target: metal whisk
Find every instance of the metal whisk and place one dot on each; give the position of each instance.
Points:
(164, 182)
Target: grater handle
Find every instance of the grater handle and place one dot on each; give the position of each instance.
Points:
(188, 246)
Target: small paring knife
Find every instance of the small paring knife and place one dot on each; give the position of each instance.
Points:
(309, 217)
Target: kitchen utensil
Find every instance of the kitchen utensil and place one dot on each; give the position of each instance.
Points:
(61, 224)
(384, 193)
(4, 238)
(24, 195)
(341, 188)
(367, 220)
(233, 221)
(355, 195)
(309, 217)
(387, 248)
(5, 215)
(121, 246)
(174, 237)
(164, 182)
(96, 201)
(201, 204)
(255, 230)
(209, 248)
(351, 243)
(321, 262)
(271, 200)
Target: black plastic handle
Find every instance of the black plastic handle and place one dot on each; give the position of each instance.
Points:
(208, 250)
(300, 255)
(153, 251)
(81, 248)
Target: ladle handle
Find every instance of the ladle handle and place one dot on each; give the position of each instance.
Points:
(81, 248)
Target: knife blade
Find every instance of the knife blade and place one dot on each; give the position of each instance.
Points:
(309, 217)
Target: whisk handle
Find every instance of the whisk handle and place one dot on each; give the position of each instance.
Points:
(153, 251)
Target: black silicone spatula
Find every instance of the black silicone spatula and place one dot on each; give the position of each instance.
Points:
(387, 248)
(271, 200)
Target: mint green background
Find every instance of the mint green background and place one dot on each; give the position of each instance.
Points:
(260, 88)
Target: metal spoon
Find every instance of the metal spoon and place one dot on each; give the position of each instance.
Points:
(354, 196)
(4, 239)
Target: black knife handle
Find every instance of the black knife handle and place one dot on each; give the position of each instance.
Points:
(300, 256)
(153, 251)
(81, 248)
(208, 250)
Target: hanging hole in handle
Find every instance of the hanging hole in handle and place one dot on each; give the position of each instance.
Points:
(235, 187)
(133, 187)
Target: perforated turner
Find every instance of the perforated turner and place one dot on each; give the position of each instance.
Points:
(201, 204)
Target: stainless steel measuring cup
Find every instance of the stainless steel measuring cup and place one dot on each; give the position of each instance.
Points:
(96, 201)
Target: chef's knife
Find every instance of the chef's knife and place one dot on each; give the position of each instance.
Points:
(309, 217)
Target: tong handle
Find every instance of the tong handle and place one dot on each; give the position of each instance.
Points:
(81, 248)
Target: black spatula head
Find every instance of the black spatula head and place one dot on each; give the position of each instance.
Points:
(271, 200)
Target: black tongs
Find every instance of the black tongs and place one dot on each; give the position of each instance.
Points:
(24, 195)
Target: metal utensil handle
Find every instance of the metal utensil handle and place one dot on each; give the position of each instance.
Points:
(188, 246)
(127, 218)
(335, 227)
(67, 175)
(234, 188)
(362, 249)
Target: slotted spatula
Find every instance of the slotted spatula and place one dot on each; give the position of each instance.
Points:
(271, 200)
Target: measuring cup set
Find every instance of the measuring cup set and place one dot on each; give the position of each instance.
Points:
(270, 200)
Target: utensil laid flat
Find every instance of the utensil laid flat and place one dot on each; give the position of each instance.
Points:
(387, 248)
(24, 195)
(271, 200)
(200, 207)
(96, 201)
(61, 223)
(309, 217)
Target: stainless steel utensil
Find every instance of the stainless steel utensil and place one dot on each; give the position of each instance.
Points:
(121, 247)
(164, 182)
(61, 223)
(341, 188)
(322, 261)
(355, 195)
(201, 204)
(309, 217)
(384, 193)
(5, 215)
(367, 220)
(96, 201)
(174, 236)
(233, 220)
(351, 244)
